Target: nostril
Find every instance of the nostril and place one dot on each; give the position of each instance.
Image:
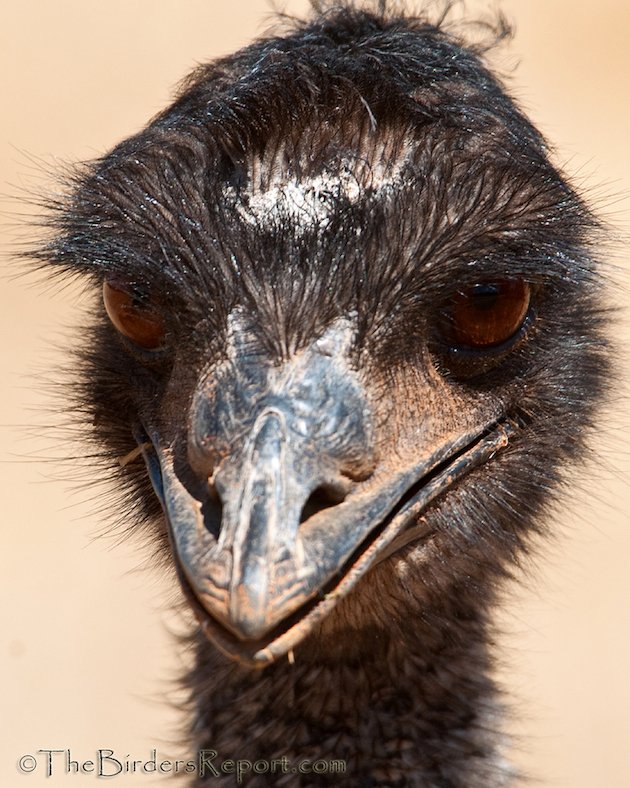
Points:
(323, 497)
(212, 512)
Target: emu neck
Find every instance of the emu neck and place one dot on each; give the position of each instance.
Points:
(418, 709)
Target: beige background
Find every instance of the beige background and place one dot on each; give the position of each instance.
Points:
(86, 657)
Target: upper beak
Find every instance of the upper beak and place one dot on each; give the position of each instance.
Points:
(279, 505)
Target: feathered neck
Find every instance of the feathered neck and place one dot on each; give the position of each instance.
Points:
(418, 709)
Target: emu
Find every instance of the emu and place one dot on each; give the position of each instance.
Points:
(352, 332)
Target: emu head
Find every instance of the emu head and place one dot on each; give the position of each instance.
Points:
(350, 321)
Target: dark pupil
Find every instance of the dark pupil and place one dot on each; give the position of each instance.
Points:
(484, 296)
(139, 299)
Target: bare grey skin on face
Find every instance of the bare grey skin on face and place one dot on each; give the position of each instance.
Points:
(349, 308)
(304, 426)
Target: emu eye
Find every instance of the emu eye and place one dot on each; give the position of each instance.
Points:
(487, 314)
(138, 321)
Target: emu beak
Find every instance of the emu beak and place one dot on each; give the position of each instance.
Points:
(277, 509)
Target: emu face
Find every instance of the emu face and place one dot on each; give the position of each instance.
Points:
(350, 320)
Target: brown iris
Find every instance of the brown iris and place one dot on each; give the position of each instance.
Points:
(487, 314)
(138, 321)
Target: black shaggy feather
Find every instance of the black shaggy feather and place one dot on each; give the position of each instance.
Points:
(364, 164)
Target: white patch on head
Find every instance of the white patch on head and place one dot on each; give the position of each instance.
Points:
(312, 200)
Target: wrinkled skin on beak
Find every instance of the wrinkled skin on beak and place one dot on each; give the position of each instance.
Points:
(278, 499)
